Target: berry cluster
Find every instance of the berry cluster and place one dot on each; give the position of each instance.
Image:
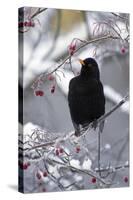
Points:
(39, 93)
(24, 166)
(26, 24)
(39, 175)
(78, 149)
(72, 47)
(59, 151)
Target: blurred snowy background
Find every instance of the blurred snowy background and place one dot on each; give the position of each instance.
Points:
(45, 36)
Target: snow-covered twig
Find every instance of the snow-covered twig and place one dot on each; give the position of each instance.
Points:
(112, 169)
(85, 43)
(71, 134)
(119, 16)
(88, 172)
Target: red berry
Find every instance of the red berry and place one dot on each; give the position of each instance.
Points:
(61, 150)
(93, 180)
(50, 78)
(28, 163)
(38, 175)
(57, 152)
(53, 89)
(77, 149)
(43, 189)
(25, 166)
(125, 179)
(39, 93)
(29, 23)
(123, 50)
(25, 23)
(72, 47)
(45, 174)
(21, 24)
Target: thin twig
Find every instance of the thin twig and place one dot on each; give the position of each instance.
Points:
(102, 118)
(99, 151)
(105, 37)
(38, 12)
(124, 18)
(112, 169)
(90, 173)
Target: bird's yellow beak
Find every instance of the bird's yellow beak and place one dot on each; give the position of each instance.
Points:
(81, 61)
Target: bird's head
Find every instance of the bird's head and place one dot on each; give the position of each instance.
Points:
(89, 68)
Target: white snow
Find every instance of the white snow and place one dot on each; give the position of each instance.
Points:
(75, 163)
(87, 164)
(107, 146)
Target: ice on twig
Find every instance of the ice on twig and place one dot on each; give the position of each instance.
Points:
(75, 163)
(87, 164)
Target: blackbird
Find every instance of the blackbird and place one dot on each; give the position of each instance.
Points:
(86, 97)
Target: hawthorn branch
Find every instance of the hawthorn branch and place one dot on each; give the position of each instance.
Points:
(59, 139)
(87, 172)
(112, 169)
(85, 43)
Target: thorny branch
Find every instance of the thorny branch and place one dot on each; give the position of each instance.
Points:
(90, 173)
(48, 148)
(100, 120)
(85, 43)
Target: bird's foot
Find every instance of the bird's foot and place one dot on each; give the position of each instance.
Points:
(94, 124)
(77, 133)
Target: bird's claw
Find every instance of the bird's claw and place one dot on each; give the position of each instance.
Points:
(94, 124)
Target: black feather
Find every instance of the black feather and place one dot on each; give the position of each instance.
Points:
(86, 97)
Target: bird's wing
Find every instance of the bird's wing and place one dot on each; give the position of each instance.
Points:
(86, 99)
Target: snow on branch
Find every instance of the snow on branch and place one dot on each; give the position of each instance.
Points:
(84, 43)
(55, 138)
(51, 149)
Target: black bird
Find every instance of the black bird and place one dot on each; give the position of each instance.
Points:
(86, 97)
